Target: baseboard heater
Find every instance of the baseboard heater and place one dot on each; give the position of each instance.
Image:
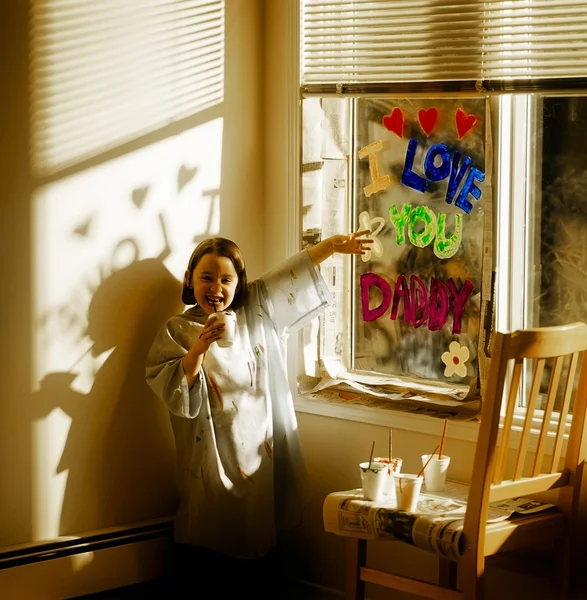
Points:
(93, 541)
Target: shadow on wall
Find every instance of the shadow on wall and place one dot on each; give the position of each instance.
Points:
(120, 446)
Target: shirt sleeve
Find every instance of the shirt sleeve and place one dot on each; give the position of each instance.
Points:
(165, 375)
(295, 292)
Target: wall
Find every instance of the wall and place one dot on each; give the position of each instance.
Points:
(92, 258)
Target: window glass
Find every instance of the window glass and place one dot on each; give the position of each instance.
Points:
(420, 167)
(557, 280)
(419, 190)
(561, 265)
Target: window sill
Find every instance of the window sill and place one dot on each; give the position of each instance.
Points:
(461, 430)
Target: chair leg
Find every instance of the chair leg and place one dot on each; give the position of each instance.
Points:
(447, 573)
(356, 557)
(472, 568)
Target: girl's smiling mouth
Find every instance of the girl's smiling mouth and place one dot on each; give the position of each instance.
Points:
(215, 302)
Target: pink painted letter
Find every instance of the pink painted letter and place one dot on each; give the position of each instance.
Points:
(367, 280)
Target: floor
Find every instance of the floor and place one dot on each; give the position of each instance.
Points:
(161, 590)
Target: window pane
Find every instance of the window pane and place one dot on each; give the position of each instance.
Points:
(563, 216)
(419, 290)
(558, 224)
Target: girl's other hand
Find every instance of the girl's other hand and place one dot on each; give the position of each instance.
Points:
(353, 243)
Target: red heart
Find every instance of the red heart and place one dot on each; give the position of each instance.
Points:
(395, 122)
(427, 119)
(464, 122)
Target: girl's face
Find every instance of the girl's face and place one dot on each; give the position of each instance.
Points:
(215, 282)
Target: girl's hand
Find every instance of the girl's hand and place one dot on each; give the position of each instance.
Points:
(192, 361)
(212, 332)
(353, 243)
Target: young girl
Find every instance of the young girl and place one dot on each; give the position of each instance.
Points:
(241, 474)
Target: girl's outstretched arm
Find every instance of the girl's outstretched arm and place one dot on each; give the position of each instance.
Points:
(352, 243)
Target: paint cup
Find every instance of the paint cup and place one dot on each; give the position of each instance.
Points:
(393, 466)
(229, 320)
(373, 478)
(407, 490)
(435, 472)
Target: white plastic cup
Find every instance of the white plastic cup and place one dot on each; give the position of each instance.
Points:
(373, 478)
(229, 320)
(435, 472)
(393, 466)
(407, 490)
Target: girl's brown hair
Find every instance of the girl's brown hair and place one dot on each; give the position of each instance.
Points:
(221, 247)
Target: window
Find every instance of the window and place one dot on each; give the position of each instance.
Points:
(519, 246)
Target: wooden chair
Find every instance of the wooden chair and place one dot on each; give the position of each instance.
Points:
(547, 362)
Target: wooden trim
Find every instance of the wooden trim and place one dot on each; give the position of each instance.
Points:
(90, 572)
(85, 543)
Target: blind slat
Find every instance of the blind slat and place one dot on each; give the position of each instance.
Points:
(395, 41)
(104, 73)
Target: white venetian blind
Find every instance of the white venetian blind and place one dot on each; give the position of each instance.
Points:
(395, 41)
(104, 72)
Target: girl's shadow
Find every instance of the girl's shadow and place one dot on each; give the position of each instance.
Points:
(119, 452)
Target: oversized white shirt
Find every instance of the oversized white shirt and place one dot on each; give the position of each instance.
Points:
(241, 473)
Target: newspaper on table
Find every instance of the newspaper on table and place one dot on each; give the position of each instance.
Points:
(436, 526)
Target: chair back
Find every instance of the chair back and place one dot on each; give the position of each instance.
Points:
(545, 371)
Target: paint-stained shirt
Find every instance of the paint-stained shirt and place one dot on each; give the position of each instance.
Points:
(241, 473)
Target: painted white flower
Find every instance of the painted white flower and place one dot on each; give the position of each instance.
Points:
(455, 360)
(366, 222)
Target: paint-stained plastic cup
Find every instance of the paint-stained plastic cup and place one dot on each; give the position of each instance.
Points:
(393, 466)
(435, 472)
(229, 320)
(407, 490)
(373, 478)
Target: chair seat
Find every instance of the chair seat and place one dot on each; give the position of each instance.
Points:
(521, 531)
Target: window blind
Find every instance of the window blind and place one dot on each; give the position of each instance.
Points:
(399, 41)
(104, 72)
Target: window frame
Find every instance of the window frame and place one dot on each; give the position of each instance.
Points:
(462, 430)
